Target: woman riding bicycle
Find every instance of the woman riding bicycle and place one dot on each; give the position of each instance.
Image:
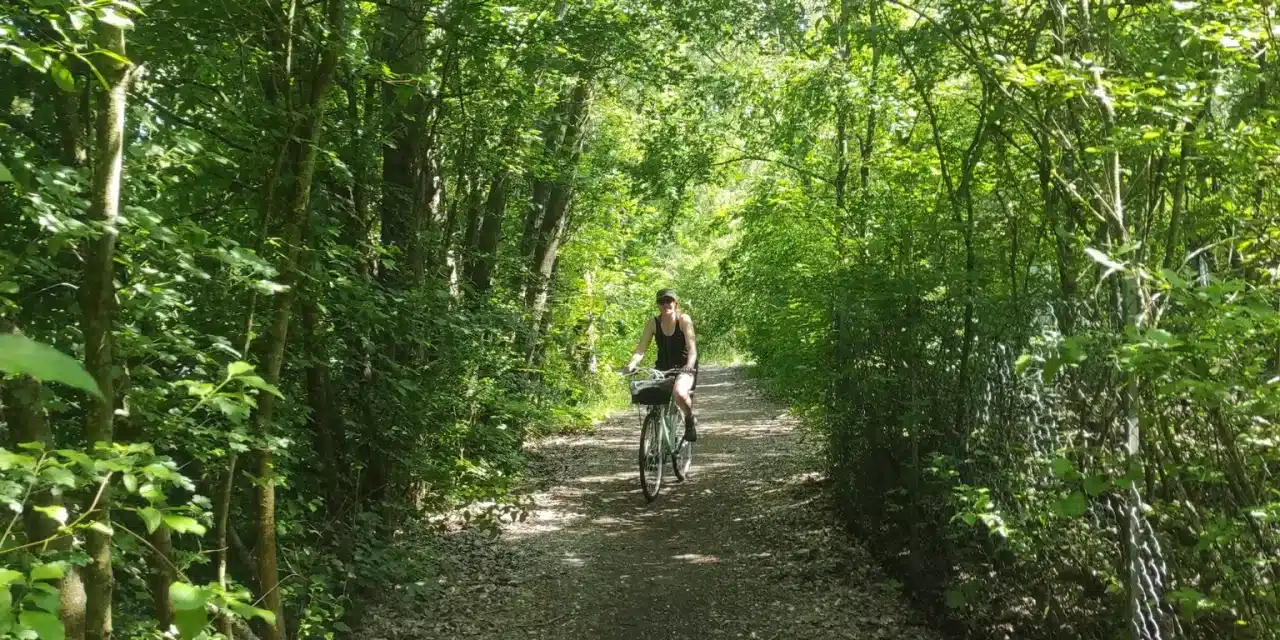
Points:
(677, 349)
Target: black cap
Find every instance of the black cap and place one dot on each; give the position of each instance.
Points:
(668, 293)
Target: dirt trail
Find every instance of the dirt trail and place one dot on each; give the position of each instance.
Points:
(745, 549)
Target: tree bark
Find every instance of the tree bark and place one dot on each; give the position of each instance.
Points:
(404, 152)
(160, 575)
(323, 416)
(541, 178)
(295, 214)
(22, 411)
(98, 309)
(486, 254)
(551, 229)
(221, 523)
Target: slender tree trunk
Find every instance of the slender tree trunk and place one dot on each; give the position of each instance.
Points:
(221, 522)
(474, 213)
(360, 114)
(490, 232)
(295, 214)
(98, 310)
(403, 153)
(1112, 201)
(542, 179)
(1186, 149)
(551, 230)
(323, 417)
(160, 575)
(22, 411)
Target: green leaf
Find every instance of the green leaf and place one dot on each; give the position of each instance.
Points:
(130, 482)
(190, 622)
(110, 16)
(238, 368)
(1023, 362)
(248, 611)
(1072, 506)
(151, 517)
(1062, 467)
(57, 512)
(8, 577)
(5, 175)
(186, 597)
(258, 383)
(1103, 259)
(46, 625)
(184, 524)
(19, 355)
(62, 77)
(6, 612)
(79, 19)
(1096, 485)
(1161, 337)
(43, 599)
(9, 460)
(1072, 350)
(49, 571)
(59, 476)
(1051, 367)
(103, 528)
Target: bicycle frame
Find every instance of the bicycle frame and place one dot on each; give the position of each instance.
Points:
(668, 444)
(667, 414)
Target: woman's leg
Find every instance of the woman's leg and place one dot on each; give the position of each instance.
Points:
(683, 385)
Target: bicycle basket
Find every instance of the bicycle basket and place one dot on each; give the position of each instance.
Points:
(652, 392)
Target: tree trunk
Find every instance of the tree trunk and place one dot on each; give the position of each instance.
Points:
(98, 310)
(541, 179)
(1186, 149)
(21, 410)
(470, 241)
(221, 523)
(160, 575)
(552, 227)
(356, 226)
(486, 254)
(295, 213)
(404, 152)
(323, 416)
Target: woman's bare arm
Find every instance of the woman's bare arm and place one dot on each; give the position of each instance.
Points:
(690, 340)
(646, 336)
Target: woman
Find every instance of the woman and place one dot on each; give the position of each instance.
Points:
(677, 349)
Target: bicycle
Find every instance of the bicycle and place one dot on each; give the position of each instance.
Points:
(660, 434)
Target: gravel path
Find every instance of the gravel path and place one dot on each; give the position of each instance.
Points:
(745, 549)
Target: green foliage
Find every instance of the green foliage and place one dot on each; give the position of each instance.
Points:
(1026, 384)
(20, 355)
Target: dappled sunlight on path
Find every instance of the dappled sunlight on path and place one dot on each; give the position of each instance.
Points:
(743, 549)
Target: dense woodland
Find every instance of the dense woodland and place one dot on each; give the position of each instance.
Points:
(281, 281)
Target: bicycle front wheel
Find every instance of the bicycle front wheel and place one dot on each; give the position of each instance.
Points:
(651, 458)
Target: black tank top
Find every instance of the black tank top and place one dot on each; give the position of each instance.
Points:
(673, 350)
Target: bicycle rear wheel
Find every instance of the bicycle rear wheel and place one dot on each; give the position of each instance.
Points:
(651, 456)
(682, 456)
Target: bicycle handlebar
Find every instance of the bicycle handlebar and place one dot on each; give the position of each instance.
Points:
(649, 370)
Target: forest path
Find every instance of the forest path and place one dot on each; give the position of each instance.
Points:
(747, 548)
